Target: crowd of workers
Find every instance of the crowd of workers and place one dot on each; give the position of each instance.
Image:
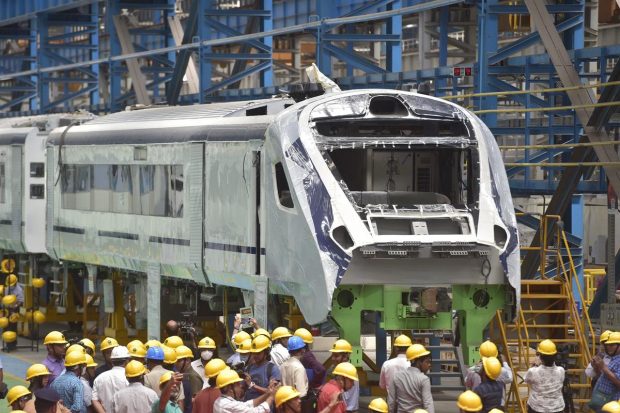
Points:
(279, 372)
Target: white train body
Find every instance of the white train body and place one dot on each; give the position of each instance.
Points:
(359, 187)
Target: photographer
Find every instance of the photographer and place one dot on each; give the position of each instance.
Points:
(545, 381)
(230, 384)
(608, 385)
(591, 372)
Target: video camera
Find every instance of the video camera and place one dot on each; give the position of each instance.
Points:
(187, 331)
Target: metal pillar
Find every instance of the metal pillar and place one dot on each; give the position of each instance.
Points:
(153, 300)
(487, 44)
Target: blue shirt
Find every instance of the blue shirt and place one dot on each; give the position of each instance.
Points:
(71, 391)
(604, 384)
(259, 375)
(18, 291)
(491, 393)
(170, 407)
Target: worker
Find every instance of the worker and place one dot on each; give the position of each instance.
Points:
(184, 356)
(410, 389)
(378, 405)
(279, 340)
(155, 358)
(173, 342)
(292, 371)
(172, 328)
(56, 344)
(591, 372)
(108, 383)
(13, 288)
(68, 385)
(205, 399)
(396, 364)
(137, 350)
(487, 349)
(261, 370)
(491, 391)
(47, 400)
(135, 398)
(545, 381)
(287, 400)
(611, 407)
(345, 376)
(314, 369)
(470, 402)
(208, 350)
(341, 352)
(152, 343)
(239, 360)
(106, 347)
(88, 345)
(230, 385)
(38, 376)
(168, 402)
(170, 358)
(87, 373)
(17, 397)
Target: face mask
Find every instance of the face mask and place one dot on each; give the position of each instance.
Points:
(206, 355)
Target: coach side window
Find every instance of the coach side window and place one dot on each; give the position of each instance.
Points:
(284, 192)
(2, 184)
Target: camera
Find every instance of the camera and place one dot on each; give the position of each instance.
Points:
(187, 331)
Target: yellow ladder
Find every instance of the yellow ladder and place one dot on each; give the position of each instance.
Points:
(548, 310)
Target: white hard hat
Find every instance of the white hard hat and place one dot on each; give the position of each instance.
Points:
(120, 352)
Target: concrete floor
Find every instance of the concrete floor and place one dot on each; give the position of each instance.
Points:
(16, 363)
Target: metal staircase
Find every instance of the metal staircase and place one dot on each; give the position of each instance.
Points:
(548, 310)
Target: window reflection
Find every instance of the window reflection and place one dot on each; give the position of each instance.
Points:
(154, 190)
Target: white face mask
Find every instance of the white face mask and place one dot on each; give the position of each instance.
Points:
(206, 355)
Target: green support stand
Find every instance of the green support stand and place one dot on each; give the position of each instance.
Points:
(351, 300)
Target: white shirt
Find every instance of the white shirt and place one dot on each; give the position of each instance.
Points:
(200, 369)
(136, 398)
(88, 392)
(226, 404)
(107, 384)
(390, 368)
(294, 374)
(352, 397)
(590, 372)
(545, 388)
(279, 354)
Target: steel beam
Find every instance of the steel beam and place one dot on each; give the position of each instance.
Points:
(184, 56)
(138, 80)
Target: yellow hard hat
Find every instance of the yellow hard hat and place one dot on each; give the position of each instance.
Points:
(15, 318)
(284, 394)
(346, 369)
(305, 335)
(9, 300)
(402, 341)
(547, 347)
(165, 378)
(9, 336)
(1, 289)
(240, 337)
(614, 338)
(152, 343)
(227, 377)
(280, 332)
(488, 349)
(16, 393)
(37, 370)
(492, 367)
(7, 265)
(469, 401)
(75, 358)
(134, 369)
(378, 404)
(245, 347)
(260, 343)
(173, 341)
(215, 367)
(86, 342)
(90, 361)
(170, 356)
(207, 343)
(496, 410)
(611, 407)
(108, 343)
(75, 347)
(38, 282)
(38, 317)
(54, 337)
(261, 331)
(11, 280)
(137, 349)
(604, 336)
(184, 352)
(28, 316)
(4, 322)
(415, 351)
(421, 411)
(341, 346)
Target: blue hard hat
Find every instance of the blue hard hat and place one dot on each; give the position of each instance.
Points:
(295, 343)
(155, 353)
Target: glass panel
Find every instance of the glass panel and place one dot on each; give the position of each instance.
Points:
(2, 184)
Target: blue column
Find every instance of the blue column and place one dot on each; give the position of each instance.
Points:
(380, 342)
(94, 53)
(34, 64)
(444, 17)
(43, 86)
(115, 69)
(487, 44)
(325, 9)
(266, 76)
(393, 50)
(576, 229)
(204, 33)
